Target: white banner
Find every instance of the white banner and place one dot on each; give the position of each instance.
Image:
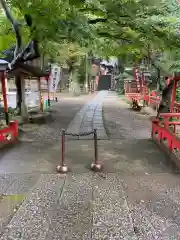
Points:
(55, 77)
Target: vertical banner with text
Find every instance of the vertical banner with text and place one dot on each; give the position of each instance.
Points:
(54, 79)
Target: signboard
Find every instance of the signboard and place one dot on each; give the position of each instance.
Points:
(54, 78)
(31, 99)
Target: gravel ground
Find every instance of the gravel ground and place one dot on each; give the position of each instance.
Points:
(150, 185)
(136, 197)
(35, 154)
(62, 113)
(126, 124)
(22, 165)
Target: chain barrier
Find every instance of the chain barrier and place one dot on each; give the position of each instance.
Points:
(96, 166)
(80, 134)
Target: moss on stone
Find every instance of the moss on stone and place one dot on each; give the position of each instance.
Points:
(18, 198)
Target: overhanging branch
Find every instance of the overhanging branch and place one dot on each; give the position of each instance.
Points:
(116, 37)
(97, 20)
(14, 25)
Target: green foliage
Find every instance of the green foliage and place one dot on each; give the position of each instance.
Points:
(6, 37)
(131, 30)
(178, 95)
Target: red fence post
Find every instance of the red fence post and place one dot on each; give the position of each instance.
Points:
(166, 122)
(62, 168)
(96, 166)
(3, 83)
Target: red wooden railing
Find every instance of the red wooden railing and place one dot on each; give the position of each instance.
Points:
(164, 133)
(154, 101)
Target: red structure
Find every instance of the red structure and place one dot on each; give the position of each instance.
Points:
(138, 92)
(165, 129)
(9, 133)
(174, 106)
(136, 89)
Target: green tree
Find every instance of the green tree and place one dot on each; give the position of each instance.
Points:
(131, 30)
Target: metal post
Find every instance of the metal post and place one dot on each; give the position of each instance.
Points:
(96, 166)
(62, 168)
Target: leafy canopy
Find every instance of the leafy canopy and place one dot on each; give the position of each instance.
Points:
(127, 28)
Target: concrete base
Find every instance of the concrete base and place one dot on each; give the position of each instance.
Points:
(62, 169)
(96, 167)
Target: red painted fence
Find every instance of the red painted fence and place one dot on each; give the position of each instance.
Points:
(165, 134)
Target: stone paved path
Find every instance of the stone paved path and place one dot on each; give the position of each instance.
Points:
(21, 166)
(136, 197)
(89, 118)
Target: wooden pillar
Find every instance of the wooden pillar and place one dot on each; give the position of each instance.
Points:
(6, 84)
(24, 112)
(3, 82)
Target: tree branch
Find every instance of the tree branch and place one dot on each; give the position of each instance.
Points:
(105, 19)
(14, 25)
(97, 20)
(117, 37)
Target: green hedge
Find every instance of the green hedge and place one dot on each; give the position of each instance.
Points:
(178, 95)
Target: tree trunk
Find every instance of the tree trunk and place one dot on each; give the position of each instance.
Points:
(165, 103)
(74, 85)
(19, 93)
(87, 75)
(158, 78)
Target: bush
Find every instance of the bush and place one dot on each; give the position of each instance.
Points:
(178, 95)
